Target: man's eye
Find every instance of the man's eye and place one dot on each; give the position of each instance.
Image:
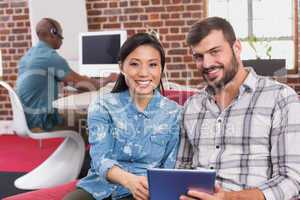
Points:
(214, 52)
(197, 57)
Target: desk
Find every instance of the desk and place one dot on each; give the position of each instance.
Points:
(76, 101)
(80, 101)
(73, 108)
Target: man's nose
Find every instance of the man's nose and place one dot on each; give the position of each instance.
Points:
(208, 60)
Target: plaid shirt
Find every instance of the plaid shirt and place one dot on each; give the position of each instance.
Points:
(253, 143)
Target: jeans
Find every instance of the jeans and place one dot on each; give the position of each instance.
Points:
(80, 194)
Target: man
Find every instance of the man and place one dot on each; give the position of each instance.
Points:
(244, 126)
(40, 71)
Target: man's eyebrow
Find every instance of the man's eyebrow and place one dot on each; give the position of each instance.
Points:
(211, 49)
(214, 48)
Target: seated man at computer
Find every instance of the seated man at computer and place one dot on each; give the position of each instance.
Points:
(40, 71)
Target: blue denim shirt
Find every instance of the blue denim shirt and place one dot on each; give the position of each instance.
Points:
(40, 71)
(121, 135)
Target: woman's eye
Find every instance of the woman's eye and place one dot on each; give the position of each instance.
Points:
(133, 64)
(153, 65)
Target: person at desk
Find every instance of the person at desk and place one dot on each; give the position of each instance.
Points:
(40, 71)
(244, 126)
(131, 129)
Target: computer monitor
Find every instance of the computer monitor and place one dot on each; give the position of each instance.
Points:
(98, 52)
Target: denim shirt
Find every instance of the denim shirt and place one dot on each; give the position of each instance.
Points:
(121, 135)
(40, 71)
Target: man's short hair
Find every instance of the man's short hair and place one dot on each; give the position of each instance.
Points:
(202, 28)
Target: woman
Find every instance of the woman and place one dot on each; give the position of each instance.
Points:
(131, 129)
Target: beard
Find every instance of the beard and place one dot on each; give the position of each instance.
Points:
(229, 74)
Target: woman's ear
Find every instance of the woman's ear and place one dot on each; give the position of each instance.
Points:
(121, 67)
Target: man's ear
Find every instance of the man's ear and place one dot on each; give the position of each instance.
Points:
(237, 47)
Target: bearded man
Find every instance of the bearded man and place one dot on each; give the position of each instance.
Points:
(244, 126)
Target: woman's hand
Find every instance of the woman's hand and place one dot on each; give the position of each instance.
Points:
(138, 186)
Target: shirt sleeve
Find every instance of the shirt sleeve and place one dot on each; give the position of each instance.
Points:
(172, 147)
(58, 66)
(285, 151)
(101, 139)
(185, 152)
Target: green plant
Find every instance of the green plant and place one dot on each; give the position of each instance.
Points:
(260, 44)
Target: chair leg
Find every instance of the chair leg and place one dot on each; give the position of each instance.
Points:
(61, 167)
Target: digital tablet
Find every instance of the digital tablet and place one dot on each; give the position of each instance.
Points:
(169, 184)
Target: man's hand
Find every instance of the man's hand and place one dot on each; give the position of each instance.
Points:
(196, 195)
(220, 194)
(138, 186)
(112, 77)
(85, 83)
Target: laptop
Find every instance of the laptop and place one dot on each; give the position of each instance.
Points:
(170, 184)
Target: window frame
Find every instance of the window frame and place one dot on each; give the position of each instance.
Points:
(294, 69)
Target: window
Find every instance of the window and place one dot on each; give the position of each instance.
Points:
(272, 23)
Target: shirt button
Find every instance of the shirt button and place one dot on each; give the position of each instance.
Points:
(217, 146)
(211, 167)
(140, 115)
(219, 120)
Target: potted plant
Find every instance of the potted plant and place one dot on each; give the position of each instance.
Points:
(264, 64)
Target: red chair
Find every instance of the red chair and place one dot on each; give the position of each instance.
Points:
(179, 96)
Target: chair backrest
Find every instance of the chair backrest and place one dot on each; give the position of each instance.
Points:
(19, 124)
(180, 96)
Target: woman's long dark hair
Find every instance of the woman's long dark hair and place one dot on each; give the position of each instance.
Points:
(129, 46)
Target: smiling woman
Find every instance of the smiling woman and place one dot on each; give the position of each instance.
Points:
(131, 129)
(271, 22)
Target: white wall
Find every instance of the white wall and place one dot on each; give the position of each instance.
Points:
(5, 127)
(72, 17)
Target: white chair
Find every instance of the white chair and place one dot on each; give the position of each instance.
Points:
(62, 166)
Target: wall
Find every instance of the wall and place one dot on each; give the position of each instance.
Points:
(48, 8)
(15, 39)
(171, 18)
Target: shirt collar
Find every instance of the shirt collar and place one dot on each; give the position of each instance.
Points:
(43, 44)
(127, 101)
(250, 82)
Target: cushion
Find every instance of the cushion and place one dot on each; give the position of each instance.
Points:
(180, 96)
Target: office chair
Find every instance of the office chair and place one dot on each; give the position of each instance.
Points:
(62, 166)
